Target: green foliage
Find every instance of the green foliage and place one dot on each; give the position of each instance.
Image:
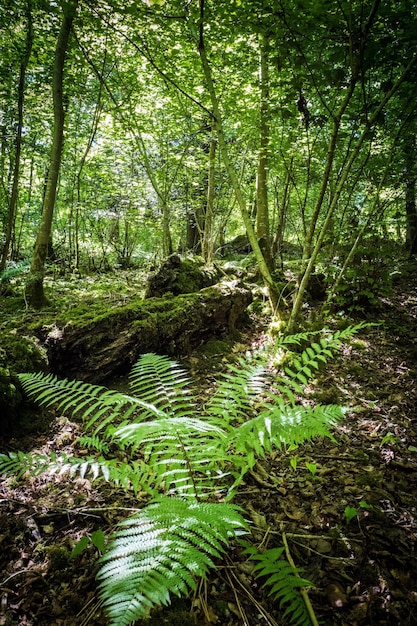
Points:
(13, 270)
(284, 581)
(364, 281)
(160, 551)
(97, 539)
(351, 511)
(172, 445)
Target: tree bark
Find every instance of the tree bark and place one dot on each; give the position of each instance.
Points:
(35, 295)
(11, 214)
(298, 301)
(96, 349)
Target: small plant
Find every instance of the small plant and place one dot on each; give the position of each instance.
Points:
(365, 279)
(312, 468)
(186, 457)
(389, 439)
(352, 511)
(283, 580)
(97, 539)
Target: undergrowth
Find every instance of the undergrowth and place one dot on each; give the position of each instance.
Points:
(191, 459)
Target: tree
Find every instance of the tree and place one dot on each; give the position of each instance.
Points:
(35, 283)
(262, 213)
(240, 196)
(25, 54)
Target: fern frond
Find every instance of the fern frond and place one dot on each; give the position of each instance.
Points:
(183, 454)
(296, 339)
(133, 476)
(94, 442)
(284, 581)
(94, 403)
(162, 382)
(280, 425)
(160, 552)
(238, 390)
(19, 463)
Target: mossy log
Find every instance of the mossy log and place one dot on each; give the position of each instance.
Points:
(98, 348)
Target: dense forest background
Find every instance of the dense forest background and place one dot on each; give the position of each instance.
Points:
(210, 207)
(133, 130)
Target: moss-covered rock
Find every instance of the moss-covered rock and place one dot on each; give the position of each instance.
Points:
(17, 354)
(178, 275)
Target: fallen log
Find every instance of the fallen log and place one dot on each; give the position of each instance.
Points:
(99, 348)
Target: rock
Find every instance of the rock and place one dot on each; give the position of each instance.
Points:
(178, 275)
(17, 354)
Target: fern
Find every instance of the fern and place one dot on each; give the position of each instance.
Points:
(284, 581)
(179, 451)
(160, 551)
(168, 447)
(163, 383)
(93, 402)
(238, 390)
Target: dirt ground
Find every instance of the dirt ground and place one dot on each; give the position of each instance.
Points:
(347, 510)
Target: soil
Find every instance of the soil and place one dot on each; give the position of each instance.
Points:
(347, 510)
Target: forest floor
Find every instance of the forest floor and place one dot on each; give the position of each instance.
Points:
(349, 516)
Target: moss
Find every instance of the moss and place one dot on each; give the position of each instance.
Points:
(17, 354)
(327, 396)
(215, 347)
(58, 557)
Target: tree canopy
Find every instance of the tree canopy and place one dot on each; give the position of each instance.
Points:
(132, 130)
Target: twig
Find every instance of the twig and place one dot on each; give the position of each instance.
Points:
(87, 619)
(303, 591)
(229, 571)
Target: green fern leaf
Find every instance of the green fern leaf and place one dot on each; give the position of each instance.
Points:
(19, 463)
(92, 402)
(284, 581)
(160, 551)
(237, 391)
(183, 454)
(281, 426)
(162, 382)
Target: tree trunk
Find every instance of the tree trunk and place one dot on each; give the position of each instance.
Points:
(208, 242)
(410, 177)
(35, 295)
(310, 253)
(95, 349)
(262, 214)
(298, 301)
(16, 169)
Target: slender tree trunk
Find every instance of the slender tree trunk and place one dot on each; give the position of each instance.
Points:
(410, 178)
(16, 169)
(282, 208)
(240, 198)
(331, 151)
(208, 239)
(262, 214)
(298, 301)
(35, 295)
(76, 217)
(167, 247)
